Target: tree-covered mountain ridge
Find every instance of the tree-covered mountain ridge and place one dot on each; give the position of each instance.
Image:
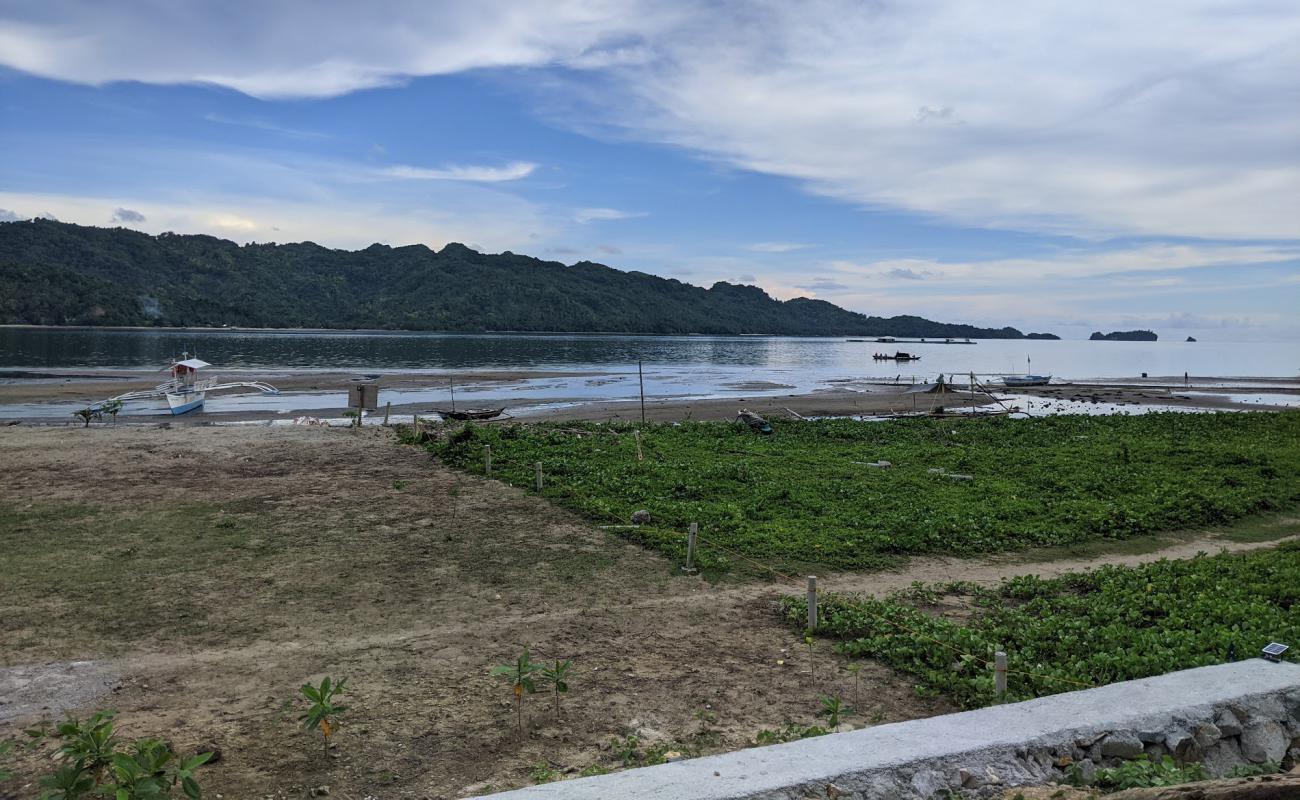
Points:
(55, 273)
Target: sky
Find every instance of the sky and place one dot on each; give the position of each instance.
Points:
(1063, 167)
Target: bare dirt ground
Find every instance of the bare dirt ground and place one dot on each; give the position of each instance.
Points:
(212, 571)
(206, 573)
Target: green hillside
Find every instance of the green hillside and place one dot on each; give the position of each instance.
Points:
(54, 273)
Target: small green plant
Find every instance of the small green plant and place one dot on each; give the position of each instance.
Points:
(1139, 773)
(543, 772)
(520, 673)
(556, 678)
(323, 712)
(1251, 770)
(627, 749)
(594, 769)
(4, 748)
(95, 764)
(111, 408)
(790, 732)
(399, 486)
(86, 415)
(833, 708)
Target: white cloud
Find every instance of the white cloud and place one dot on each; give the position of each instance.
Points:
(585, 215)
(776, 247)
(463, 172)
(1073, 264)
(1160, 118)
(501, 224)
(322, 48)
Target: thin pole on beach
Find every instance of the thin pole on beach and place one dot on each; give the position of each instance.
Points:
(452, 383)
(640, 376)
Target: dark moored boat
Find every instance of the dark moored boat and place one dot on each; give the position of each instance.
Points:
(898, 356)
(471, 413)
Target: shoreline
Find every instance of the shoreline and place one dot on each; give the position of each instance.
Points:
(49, 397)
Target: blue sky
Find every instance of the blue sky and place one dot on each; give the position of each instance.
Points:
(1057, 168)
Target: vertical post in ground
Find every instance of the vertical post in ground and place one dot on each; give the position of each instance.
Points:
(1000, 673)
(690, 547)
(487, 459)
(972, 388)
(539, 476)
(812, 602)
(387, 408)
(637, 434)
(640, 376)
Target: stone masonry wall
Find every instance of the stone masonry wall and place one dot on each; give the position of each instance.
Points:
(1223, 716)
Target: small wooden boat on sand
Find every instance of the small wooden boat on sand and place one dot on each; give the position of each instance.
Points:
(1026, 380)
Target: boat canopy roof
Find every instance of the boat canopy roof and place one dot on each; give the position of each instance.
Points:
(193, 363)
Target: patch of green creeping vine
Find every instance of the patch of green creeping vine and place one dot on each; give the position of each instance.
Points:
(1110, 624)
(805, 495)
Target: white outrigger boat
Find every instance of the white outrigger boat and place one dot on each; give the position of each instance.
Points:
(185, 392)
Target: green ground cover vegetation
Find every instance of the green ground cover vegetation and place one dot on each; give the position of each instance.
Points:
(1110, 624)
(808, 495)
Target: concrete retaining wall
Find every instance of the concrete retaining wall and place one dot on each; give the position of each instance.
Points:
(1225, 716)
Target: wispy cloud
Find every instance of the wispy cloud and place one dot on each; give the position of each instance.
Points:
(264, 125)
(776, 247)
(1072, 264)
(585, 215)
(513, 171)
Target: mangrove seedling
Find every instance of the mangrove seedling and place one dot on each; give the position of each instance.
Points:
(86, 415)
(94, 764)
(323, 712)
(833, 708)
(111, 408)
(556, 678)
(520, 674)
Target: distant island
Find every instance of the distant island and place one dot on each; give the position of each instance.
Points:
(1123, 336)
(55, 273)
(1191, 338)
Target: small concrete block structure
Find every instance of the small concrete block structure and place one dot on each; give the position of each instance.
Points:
(981, 753)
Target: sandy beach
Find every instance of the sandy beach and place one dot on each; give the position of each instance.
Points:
(34, 397)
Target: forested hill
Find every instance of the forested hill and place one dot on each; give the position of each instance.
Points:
(54, 273)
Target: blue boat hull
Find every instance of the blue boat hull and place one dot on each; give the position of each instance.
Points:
(180, 404)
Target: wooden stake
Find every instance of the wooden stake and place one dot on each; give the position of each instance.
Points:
(1000, 673)
(452, 383)
(640, 375)
(637, 434)
(387, 408)
(539, 476)
(487, 459)
(690, 547)
(812, 602)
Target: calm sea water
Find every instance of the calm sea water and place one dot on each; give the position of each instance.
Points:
(755, 357)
